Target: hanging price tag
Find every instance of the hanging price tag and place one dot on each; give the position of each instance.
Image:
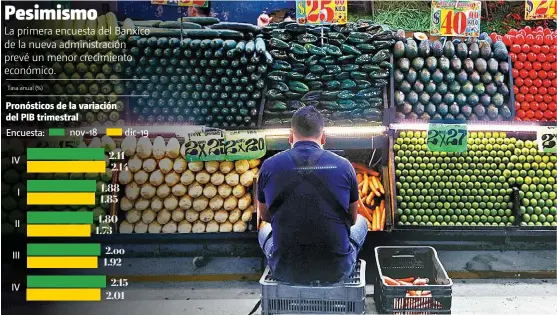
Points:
(447, 137)
(245, 145)
(205, 146)
(225, 145)
(540, 9)
(321, 11)
(456, 18)
(547, 139)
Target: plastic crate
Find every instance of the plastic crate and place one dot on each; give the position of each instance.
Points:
(342, 298)
(411, 261)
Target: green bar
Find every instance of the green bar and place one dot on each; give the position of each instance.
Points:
(66, 281)
(65, 154)
(60, 217)
(57, 132)
(61, 185)
(63, 249)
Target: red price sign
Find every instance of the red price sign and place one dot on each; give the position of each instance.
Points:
(540, 9)
(321, 11)
(456, 18)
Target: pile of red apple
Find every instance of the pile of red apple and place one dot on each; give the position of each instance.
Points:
(533, 54)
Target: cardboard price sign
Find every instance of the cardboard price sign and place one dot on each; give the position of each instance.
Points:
(447, 137)
(245, 145)
(547, 139)
(456, 18)
(221, 145)
(182, 3)
(321, 11)
(540, 9)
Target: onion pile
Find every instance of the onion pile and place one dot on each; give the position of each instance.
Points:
(164, 193)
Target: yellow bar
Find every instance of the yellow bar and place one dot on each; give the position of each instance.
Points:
(80, 199)
(63, 294)
(114, 132)
(66, 166)
(58, 230)
(62, 262)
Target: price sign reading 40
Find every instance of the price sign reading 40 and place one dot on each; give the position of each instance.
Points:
(455, 18)
(447, 137)
(547, 139)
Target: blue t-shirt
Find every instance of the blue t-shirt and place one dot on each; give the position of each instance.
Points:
(310, 237)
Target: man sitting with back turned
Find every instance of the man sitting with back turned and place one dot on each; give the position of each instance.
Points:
(310, 197)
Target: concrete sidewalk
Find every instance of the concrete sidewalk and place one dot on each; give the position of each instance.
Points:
(238, 298)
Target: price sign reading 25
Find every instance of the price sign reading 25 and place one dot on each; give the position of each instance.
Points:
(229, 145)
(447, 137)
(456, 18)
(321, 11)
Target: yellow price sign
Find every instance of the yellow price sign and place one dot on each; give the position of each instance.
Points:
(540, 9)
(321, 11)
(460, 18)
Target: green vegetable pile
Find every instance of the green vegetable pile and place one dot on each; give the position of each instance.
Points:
(474, 188)
(406, 15)
(186, 74)
(342, 74)
(454, 80)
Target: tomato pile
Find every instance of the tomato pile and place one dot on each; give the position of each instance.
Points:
(533, 54)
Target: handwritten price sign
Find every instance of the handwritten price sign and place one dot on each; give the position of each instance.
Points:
(182, 3)
(456, 18)
(321, 11)
(447, 137)
(540, 9)
(229, 145)
(547, 139)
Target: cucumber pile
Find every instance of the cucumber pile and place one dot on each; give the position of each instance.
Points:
(211, 77)
(342, 74)
(453, 80)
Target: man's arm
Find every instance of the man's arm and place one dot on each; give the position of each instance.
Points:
(354, 193)
(264, 211)
(354, 212)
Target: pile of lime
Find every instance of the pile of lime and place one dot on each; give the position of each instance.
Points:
(535, 174)
(473, 188)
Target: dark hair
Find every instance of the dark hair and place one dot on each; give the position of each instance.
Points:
(205, 10)
(308, 122)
